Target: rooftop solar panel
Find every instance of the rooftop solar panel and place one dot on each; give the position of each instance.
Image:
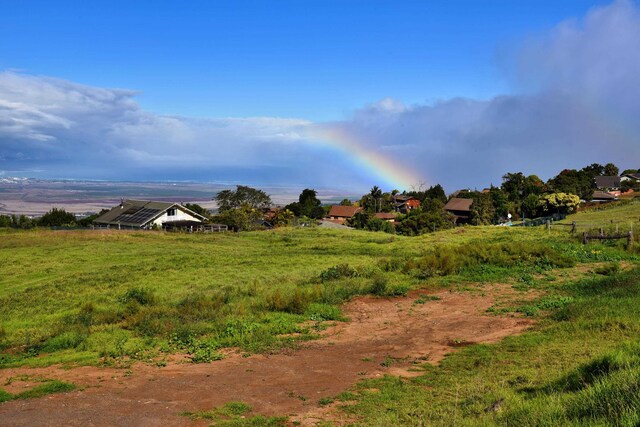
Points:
(138, 217)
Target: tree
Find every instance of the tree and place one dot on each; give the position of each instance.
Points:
(500, 203)
(517, 186)
(282, 218)
(359, 220)
(611, 170)
(513, 185)
(309, 204)
(436, 192)
(346, 202)
(431, 217)
(239, 219)
(575, 182)
(197, 209)
(5, 221)
(57, 218)
(482, 209)
(593, 170)
(559, 203)
(530, 205)
(243, 195)
(376, 194)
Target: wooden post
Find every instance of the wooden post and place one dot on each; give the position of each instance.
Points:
(629, 239)
(548, 225)
(573, 227)
(601, 232)
(585, 240)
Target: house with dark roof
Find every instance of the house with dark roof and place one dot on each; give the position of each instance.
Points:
(630, 177)
(603, 197)
(340, 214)
(386, 216)
(607, 183)
(144, 214)
(460, 209)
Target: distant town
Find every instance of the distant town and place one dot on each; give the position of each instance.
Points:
(191, 207)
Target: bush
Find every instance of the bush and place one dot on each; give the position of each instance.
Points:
(57, 218)
(379, 285)
(337, 272)
(293, 301)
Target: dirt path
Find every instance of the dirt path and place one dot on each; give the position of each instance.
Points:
(281, 384)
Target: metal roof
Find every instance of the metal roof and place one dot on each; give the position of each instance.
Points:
(138, 213)
(458, 204)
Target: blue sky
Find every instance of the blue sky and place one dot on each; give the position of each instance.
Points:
(317, 60)
(450, 92)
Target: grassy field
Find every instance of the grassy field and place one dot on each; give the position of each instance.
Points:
(88, 297)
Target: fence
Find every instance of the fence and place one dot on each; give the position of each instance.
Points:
(602, 236)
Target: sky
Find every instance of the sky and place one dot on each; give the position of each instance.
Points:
(327, 94)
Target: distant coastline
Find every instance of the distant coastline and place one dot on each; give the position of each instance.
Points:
(35, 196)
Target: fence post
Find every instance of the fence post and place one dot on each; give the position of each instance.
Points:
(585, 240)
(548, 225)
(629, 239)
(573, 227)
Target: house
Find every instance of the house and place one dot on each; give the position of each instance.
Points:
(630, 177)
(386, 216)
(460, 209)
(603, 197)
(607, 183)
(404, 204)
(340, 214)
(144, 214)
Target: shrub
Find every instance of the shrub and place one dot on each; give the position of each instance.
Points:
(293, 301)
(379, 285)
(337, 272)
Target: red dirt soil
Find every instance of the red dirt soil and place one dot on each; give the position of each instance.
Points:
(288, 383)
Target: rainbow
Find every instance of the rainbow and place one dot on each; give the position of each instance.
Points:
(394, 173)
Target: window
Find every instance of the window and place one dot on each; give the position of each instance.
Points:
(171, 212)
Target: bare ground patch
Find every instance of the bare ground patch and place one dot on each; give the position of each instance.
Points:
(383, 336)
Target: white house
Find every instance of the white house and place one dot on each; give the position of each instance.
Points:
(144, 214)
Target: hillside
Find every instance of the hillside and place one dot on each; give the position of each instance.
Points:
(149, 302)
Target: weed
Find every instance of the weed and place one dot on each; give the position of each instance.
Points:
(609, 269)
(422, 299)
(326, 401)
(47, 387)
(387, 362)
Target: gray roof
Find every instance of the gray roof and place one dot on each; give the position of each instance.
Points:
(458, 204)
(601, 195)
(138, 213)
(607, 181)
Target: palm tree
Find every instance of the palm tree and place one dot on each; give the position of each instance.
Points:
(376, 193)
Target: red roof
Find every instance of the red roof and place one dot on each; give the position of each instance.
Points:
(344, 211)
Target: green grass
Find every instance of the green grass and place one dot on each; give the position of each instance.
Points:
(47, 387)
(581, 366)
(86, 297)
(233, 414)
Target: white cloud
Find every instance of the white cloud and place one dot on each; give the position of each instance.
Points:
(579, 87)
